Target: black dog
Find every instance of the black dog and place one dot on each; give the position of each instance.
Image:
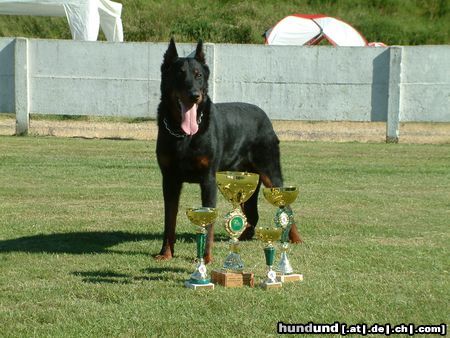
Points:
(197, 138)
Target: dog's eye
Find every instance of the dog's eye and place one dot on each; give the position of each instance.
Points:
(197, 74)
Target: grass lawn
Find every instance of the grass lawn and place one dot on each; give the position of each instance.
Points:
(81, 219)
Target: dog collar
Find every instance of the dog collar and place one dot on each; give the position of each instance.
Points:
(173, 133)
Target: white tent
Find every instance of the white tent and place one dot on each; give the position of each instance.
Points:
(84, 16)
(300, 29)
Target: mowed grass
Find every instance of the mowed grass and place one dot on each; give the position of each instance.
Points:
(81, 219)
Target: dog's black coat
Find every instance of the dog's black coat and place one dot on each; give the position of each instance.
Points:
(230, 136)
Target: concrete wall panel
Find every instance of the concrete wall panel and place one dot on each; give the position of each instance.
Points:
(6, 75)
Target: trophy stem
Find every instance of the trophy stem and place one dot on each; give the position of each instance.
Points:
(269, 253)
(233, 262)
(234, 246)
(271, 281)
(201, 240)
(271, 276)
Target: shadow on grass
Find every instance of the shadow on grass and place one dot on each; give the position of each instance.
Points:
(112, 277)
(83, 242)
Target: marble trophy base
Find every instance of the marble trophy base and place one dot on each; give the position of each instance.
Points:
(271, 285)
(294, 277)
(192, 285)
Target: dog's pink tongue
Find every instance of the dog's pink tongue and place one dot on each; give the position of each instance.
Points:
(189, 119)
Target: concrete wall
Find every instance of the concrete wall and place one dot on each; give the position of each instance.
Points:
(425, 84)
(78, 78)
(96, 78)
(289, 82)
(306, 83)
(6, 75)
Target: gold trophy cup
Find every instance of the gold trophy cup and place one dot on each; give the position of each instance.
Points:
(201, 217)
(237, 188)
(269, 235)
(284, 218)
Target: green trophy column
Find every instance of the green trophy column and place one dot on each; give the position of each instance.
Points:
(269, 252)
(201, 240)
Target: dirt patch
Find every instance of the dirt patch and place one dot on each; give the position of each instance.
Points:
(287, 130)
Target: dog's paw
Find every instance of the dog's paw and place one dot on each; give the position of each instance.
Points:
(295, 238)
(162, 257)
(208, 259)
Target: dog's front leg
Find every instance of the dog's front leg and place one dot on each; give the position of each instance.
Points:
(209, 199)
(171, 192)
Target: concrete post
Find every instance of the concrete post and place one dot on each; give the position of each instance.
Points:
(394, 95)
(21, 84)
(211, 62)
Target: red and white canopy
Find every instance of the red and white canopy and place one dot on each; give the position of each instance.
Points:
(301, 29)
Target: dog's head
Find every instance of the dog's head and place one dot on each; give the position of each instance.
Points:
(184, 82)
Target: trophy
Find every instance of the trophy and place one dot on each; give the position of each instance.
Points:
(284, 218)
(236, 187)
(200, 217)
(269, 235)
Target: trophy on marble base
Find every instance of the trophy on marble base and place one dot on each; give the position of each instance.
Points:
(236, 187)
(269, 235)
(282, 198)
(201, 217)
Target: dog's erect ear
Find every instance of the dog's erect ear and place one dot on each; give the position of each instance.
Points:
(199, 53)
(171, 54)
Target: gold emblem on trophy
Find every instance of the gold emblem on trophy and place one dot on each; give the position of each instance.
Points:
(269, 235)
(201, 217)
(282, 198)
(237, 188)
